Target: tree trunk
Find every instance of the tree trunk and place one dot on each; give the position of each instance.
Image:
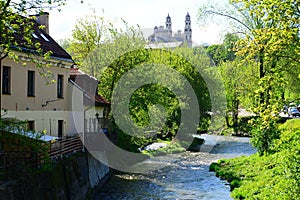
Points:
(235, 116)
(261, 73)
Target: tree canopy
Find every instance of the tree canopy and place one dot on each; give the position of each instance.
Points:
(117, 52)
(269, 39)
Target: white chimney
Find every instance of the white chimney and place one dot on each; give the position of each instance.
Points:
(43, 19)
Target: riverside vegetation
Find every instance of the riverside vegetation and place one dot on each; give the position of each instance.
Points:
(259, 71)
(272, 176)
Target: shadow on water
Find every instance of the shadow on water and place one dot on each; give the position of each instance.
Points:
(186, 177)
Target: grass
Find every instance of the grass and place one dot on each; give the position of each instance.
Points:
(274, 176)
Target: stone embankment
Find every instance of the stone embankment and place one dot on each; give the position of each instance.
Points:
(70, 178)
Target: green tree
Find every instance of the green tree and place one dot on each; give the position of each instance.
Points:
(149, 95)
(122, 50)
(14, 18)
(223, 52)
(233, 76)
(87, 35)
(272, 45)
(95, 42)
(238, 83)
(269, 40)
(216, 52)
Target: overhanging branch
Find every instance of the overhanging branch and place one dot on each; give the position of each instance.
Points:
(228, 16)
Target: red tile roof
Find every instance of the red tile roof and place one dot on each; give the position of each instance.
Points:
(75, 72)
(97, 98)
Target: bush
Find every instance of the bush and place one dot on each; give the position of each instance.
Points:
(264, 134)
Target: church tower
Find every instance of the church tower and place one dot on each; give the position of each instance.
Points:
(188, 30)
(169, 26)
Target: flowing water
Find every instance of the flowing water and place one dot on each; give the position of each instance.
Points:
(185, 176)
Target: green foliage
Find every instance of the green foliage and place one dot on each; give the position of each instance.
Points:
(23, 151)
(172, 148)
(270, 42)
(96, 43)
(273, 176)
(117, 51)
(238, 79)
(131, 143)
(13, 19)
(244, 124)
(264, 135)
(217, 53)
(147, 97)
(238, 82)
(224, 52)
(290, 125)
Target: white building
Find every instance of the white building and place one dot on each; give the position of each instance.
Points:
(51, 108)
(165, 35)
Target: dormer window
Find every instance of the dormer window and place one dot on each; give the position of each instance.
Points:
(35, 36)
(44, 37)
(10, 27)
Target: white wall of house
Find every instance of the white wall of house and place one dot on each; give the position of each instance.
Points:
(79, 112)
(76, 108)
(46, 121)
(45, 108)
(18, 100)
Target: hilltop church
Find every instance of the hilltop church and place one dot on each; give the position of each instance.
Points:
(163, 36)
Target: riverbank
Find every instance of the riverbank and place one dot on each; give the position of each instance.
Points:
(273, 176)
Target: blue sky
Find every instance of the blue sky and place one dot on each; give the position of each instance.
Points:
(146, 13)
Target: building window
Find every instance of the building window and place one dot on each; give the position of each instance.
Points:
(60, 128)
(31, 84)
(60, 85)
(44, 37)
(6, 80)
(30, 125)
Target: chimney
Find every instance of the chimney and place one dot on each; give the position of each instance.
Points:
(43, 19)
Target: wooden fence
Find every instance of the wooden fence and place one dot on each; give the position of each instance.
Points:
(65, 145)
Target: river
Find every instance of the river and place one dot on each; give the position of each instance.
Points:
(186, 175)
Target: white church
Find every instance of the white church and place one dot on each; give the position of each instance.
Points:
(164, 37)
